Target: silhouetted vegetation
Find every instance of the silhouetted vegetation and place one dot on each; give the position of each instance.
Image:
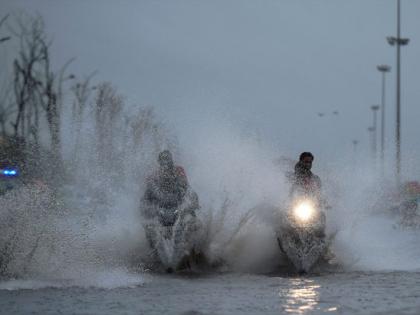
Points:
(38, 102)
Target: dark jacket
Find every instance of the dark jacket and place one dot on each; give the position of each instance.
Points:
(167, 189)
(305, 181)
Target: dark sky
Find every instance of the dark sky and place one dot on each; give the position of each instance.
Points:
(261, 67)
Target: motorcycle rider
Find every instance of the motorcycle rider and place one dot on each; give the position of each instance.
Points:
(169, 206)
(302, 230)
(167, 188)
(303, 179)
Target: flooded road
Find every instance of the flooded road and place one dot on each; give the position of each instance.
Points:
(334, 293)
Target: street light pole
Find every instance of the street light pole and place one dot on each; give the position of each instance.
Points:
(371, 135)
(383, 69)
(355, 159)
(355, 142)
(398, 41)
(375, 109)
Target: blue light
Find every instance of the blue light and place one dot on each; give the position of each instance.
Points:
(9, 172)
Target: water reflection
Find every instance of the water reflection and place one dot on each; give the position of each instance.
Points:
(301, 297)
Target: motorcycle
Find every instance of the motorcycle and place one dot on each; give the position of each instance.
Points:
(302, 238)
(173, 234)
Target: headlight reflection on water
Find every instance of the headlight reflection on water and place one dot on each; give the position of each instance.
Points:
(303, 297)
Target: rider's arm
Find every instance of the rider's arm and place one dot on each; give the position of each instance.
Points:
(182, 178)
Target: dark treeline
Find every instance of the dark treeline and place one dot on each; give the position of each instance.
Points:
(76, 144)
(39, 103)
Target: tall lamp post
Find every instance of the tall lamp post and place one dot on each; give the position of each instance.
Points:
(371, 135)
(375, 109)
(355, 143)
(383, 69)
(398, 41)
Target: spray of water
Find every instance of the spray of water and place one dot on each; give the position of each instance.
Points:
(370, 234)
(92, 234)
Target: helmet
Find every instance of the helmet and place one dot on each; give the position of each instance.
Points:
(165, 158)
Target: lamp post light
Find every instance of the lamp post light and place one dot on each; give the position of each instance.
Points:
(383, 69)
(375, 109)
(398, 41)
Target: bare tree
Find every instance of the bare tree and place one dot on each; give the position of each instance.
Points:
(108, 109)
(6, 107)
(53, 100)
(2, 20)
(140, 124)
(82, 91)
(27, 67)
(36, 86)
(145, 136)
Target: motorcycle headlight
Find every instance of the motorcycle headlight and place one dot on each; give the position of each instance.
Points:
(304, 211)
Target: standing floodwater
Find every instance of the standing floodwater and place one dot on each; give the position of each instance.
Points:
(335, 293)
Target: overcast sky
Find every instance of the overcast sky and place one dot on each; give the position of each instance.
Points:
(269, 66)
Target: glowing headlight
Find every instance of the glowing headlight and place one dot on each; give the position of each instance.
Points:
(304, 211)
